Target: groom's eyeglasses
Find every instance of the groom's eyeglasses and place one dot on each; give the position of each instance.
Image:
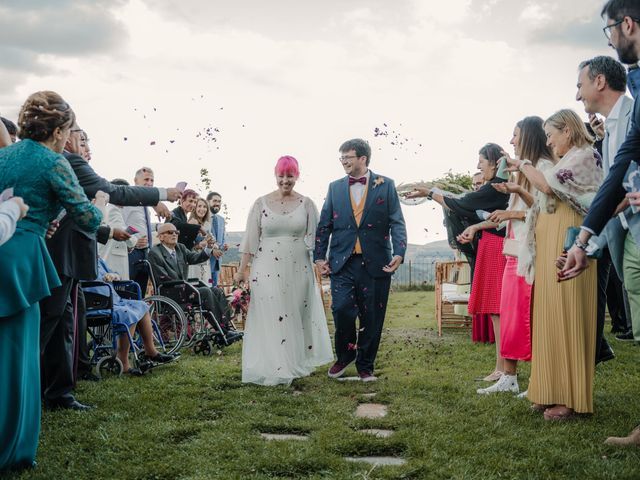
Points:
(346, 157)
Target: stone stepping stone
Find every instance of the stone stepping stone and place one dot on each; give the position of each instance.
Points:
(371, 410)
(377, 432)
(380, 461)
(283, 436)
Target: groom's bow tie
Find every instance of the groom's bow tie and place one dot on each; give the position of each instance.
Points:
(362, 180)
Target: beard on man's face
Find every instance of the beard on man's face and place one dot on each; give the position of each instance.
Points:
(214, 210)
(627, 52)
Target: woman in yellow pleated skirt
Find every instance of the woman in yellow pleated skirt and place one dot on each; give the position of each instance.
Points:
(564, 321)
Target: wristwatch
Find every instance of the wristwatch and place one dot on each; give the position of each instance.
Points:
(580, 245)
(430, 195)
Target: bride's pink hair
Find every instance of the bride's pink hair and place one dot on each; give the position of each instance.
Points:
(287, 165)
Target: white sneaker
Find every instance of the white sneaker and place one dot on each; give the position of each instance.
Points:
(507, 383)
(523, 394)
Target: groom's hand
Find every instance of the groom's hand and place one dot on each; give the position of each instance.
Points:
(393, 264)
(324, 267)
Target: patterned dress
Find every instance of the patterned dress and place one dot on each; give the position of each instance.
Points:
(47, 184)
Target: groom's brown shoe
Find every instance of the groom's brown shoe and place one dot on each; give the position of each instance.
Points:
(632, 439)
(337, 369)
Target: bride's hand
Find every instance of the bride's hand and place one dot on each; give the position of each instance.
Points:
(239, 277)
(417, 192)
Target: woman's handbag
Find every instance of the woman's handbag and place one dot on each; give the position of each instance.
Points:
(570, 239)
(511, 246)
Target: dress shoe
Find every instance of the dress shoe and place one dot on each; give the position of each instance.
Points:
(632, 439)
(507, 383)
(337, 369)
(606, 354)
(367, 376)
(68, 405)
(625, 337)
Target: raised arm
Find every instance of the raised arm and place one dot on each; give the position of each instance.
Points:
(65, 184)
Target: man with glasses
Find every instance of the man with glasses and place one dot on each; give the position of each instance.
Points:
(361, 224)
(623, 34)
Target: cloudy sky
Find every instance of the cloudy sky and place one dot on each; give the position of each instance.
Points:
(180, 85)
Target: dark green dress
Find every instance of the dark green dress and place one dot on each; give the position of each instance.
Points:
(47, 184)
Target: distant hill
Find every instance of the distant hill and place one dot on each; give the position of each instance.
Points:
(426, 253)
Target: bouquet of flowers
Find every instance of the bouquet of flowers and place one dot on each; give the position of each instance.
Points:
(240, 297)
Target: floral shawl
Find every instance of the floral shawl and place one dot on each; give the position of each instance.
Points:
(575, 179)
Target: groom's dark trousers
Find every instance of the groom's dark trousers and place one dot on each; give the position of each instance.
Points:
(356, 293)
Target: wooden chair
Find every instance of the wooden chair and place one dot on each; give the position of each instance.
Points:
(324, 287)
(456, 272)
(225, 279)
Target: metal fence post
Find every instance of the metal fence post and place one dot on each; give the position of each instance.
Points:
(410, 274)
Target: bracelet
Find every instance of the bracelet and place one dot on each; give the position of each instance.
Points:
(523, 163)
(580, 245)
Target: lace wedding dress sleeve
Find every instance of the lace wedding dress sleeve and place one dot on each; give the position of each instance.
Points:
(251, 238)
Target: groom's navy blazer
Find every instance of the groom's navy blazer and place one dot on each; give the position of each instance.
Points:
(382, 231)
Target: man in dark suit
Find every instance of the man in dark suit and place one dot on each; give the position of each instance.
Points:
(179, 217)
(170, 261)
(74, 254)
(360, 222)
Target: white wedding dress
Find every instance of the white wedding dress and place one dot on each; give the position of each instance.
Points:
(286, 334)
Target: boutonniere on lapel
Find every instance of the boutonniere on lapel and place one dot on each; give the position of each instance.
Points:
(378, 181)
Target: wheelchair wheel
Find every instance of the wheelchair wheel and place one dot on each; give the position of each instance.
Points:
(169, 323)
(203, 347)
(109, 367)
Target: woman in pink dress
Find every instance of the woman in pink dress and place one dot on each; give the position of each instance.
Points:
(529, 142)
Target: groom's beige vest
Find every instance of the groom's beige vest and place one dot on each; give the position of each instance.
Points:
(357, 214)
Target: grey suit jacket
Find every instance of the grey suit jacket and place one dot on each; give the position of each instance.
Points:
(165, 270)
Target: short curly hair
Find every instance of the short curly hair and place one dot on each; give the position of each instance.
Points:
(41, 114)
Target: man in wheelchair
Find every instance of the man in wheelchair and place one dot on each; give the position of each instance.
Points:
(131, 314)
(170, 262)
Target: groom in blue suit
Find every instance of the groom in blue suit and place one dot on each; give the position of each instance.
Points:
(362, 226)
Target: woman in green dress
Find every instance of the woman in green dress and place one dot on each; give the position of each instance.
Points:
(37, 172)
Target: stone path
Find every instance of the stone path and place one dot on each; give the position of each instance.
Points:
(377, 432)
(371, 410)
(382, 461)
(364, 410)
(283, 436)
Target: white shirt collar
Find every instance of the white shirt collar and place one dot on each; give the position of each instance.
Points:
(615, 111)
(168, 249)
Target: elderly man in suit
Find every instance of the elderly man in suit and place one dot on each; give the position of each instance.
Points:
(602, 83)
(74, 254)
(361, 224)
(170, 261)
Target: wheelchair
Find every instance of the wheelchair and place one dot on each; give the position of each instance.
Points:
(168, 324)
(203, 330)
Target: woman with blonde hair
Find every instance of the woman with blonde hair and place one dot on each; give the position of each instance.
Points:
(564, 313)
(201, 215)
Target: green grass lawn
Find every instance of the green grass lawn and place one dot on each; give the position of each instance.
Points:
(195, 420)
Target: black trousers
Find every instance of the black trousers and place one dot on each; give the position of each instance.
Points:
(214, 300)
(356, 294)
(616, 302)
(604, 268)
(84, 365)
(139, 272)
(57, 342)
